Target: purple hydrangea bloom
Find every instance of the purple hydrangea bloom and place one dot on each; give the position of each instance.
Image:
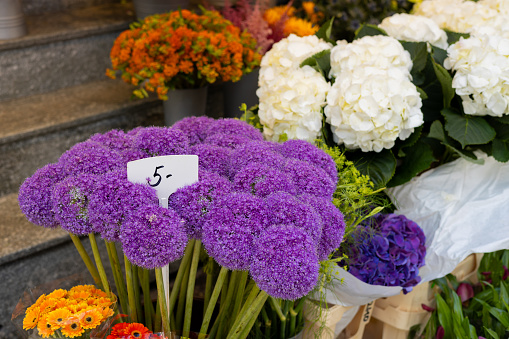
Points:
(305, 151)
(233, 224)
(91, 158)
(310, 179)
(194, 127)
(226, 140)
(333, 224)
(70, 199)
(262, 180)
(284, 262)
(234, 127)
(286, 209)
(254, 152)
(390, 253)
(193, 202)
(114, 199)
(212, 158)
(34, 195)
(153, 237)
(114, 139)
(157, 141)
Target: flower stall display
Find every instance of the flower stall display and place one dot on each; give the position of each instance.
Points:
(262, 211)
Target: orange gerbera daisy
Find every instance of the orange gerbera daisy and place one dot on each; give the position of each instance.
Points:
(73, 328)
(90, 318)
(60, 293)
(48, 305)
(31, 318)
(119, 330)
(58, 318)
(136, 330)
(45, 328)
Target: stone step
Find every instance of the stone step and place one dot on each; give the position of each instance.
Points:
(61, 49)
(36, 130)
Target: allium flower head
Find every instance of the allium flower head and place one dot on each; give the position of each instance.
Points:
(157, 141)
(193, 202)
(305, 151)
(225, 140)
(310, 179)
(114, 198)
(284, 263)
(212, 158)
(254, 152)
(233, 224)
(262, 180)
(408, 27)
(115, 139)
(34, 195)
(390, 253)
(234, 127)
(91, 158)
(333, 224)
(70, 199)
(194, 128)
(286, 209)
(153, 237)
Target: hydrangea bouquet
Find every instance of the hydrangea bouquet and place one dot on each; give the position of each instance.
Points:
(262, 211)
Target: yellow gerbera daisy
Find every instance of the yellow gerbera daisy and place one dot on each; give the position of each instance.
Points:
(48, 305)
(57, 294)
(58, 318)
(45, 328)
(73, 328)
(31, 318)
(90, 318)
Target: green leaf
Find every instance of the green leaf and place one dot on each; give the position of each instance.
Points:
(419, 54)
(445, 80)
(492, 333)
(368, 30)
(439, 54)
(379, 167)
(503, 119)
(320, 62)
(499, 314)
(423, 94)
(325, 31)
(453, 37)
(468, 130)
(501, 129)
(436, 131)
(444, 316)
(418, 158)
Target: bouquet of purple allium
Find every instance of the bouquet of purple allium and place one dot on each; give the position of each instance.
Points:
(388, 251)
(259, 208)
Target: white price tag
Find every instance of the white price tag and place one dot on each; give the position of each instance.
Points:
(165, 174)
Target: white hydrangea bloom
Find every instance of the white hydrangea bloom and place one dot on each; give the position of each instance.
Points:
(417, 28)
(457, 16)
(379, 51)
(481, 79)
(370, 107)
(502, 6)
(291, 97)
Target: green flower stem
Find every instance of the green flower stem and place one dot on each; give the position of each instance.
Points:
(208, 285)
(300, 305)
(99, 263)
(241, 330)
(117, 275)
(161, 301)
(213, 331)
(157, 316)
(268, 323)
(275, 306)
(293, 322)
(282, 328)
(184, 263)
(232, 286)
(190, 288)
(182, 298)
(147, 301)
(241, 286)
(130, 290)
(86, 260)
(137, 298)
(213, 301)
(250, 298)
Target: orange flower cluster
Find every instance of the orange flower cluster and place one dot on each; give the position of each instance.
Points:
(131, 331)
(68, 313)
(293, 24)
(182, 49)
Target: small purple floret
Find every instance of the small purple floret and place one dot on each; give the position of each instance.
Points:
(262, 180)
(195, 128)
(310, 179)
(157, 141)
(212, 158)
(91, 158)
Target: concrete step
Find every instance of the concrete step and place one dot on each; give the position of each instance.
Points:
(36, 130)
(61, 49)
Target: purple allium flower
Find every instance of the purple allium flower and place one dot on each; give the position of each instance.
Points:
(115, 139)
(390, 253)
(305, 151)
(226, 140)
(234, 127)
(34, 195)
(114, 199)
(233, 224)
(310, 179)
(286, 209)
(262, 180)
(212, 158)
(157, 141)
(333, 224)
(153, 237)
(194, 127)
(70, 199)
(91, 158)
(284, 262)
(133, 154)
(255, 151)
(193, 202)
